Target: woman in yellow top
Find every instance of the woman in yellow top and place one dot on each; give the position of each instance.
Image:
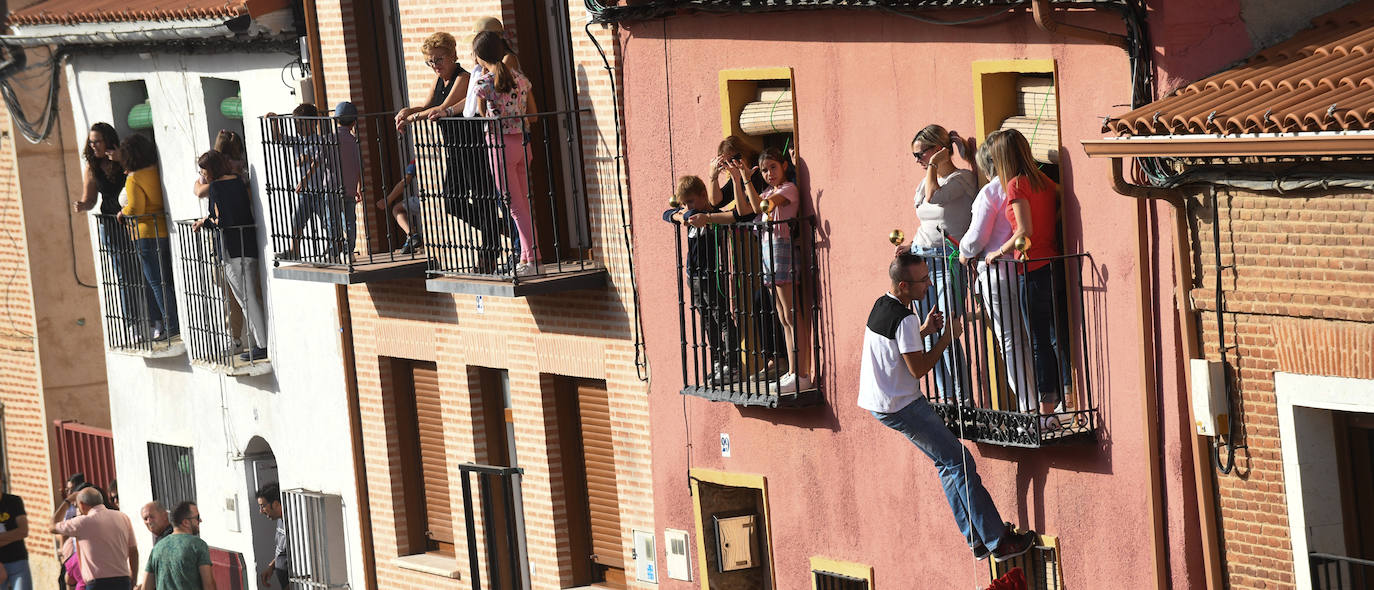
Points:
(149, 215)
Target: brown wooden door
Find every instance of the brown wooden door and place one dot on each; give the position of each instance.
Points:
(603, 503)
(433, 458)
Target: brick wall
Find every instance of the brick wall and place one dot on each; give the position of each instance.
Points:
(581, 334)
(1297, 300)
(26, 455)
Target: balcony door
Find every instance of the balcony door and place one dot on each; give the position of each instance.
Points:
(592, 523)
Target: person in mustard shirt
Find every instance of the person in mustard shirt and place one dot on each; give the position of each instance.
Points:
(146, 211)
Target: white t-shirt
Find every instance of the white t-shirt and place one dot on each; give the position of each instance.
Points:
(885, 383)
(470, 103)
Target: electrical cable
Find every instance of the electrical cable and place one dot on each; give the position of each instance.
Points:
(32, 131)
(641, 358)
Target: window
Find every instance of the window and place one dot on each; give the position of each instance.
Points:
(131, 109)
(172, 471)
(316, 538)
(829, 574)
(223, 106)
(756, 106)
(731, 511)
(578, 416)
(426, 522)
(1039, 566)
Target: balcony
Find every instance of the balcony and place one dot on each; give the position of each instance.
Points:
(489, 200)
(1338, 572)
(735, 346)
(315, 220)
(224, 304)
(136, 284)
(1018, 376)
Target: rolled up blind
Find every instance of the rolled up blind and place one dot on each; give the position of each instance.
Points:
(771, 113)
(1037, 117)
(231, 107)
(141, 116)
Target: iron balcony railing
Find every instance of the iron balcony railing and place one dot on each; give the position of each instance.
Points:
(313, 217)
(1018, 374)
(732, 287)
(1037, 569)
(222, 301)
(136, 282)
(494, 192)
(1338, 572)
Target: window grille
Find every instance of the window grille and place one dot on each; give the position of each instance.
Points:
(831, 581)
(207, 327)
(136, 285)
(1040, 566)
(173, 474)
(316, 539)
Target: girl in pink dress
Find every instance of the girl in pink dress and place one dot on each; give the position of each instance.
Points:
(503, 91)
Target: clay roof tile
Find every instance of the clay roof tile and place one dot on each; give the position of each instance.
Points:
(72, 12)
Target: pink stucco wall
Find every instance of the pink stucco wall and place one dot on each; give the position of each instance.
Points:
(841, 485)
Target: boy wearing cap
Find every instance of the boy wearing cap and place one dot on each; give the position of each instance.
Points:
(351, 169)
(405, 210)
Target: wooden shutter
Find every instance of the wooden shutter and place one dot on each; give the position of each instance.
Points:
(433, 459)
(603, 504)
(1037, 117)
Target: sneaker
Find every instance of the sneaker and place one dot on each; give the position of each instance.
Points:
(412, 244)
(1050, 424)
(525, 269)
(793, 383)
(723, 375)
(256, 354)
(770, 374)
(158, 332)
(1013, 545)
(980, 551)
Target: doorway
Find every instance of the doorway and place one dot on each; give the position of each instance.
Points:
(260, 469)
(591, 519)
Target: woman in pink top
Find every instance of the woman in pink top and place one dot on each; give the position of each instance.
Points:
(71, 564)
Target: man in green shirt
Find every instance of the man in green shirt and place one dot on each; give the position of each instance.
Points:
(182, 560)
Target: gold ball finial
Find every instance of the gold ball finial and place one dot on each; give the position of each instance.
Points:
(896, 237)
(1022, 244)
(767, 207)
(673, 202)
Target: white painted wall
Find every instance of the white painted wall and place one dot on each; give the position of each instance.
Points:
(299, 409)
(1310, 475)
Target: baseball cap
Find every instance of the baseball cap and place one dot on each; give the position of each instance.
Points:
(346, 112)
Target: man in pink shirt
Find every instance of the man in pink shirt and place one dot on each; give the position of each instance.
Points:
(105, 542)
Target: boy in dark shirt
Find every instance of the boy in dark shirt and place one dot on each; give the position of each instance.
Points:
(709, 292)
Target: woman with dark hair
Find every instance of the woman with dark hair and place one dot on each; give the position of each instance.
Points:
(143, 191)
(504, 92)
(106, 178)
(231, 211)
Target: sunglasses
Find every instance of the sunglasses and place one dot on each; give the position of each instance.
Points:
(434, 63)
(921, 155)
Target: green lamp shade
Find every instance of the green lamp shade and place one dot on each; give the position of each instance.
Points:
(141, 116)
(232, 108)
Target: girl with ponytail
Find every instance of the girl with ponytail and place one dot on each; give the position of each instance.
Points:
(504, 93)
(944, 203)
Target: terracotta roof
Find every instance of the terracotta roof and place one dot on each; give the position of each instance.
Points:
(1320, 80)
(629, 10)
(71, 12)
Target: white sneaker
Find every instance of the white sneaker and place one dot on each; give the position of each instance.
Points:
(525, 269)
(792, 383)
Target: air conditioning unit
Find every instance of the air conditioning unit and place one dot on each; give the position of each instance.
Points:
(736, 538)
(315, 535)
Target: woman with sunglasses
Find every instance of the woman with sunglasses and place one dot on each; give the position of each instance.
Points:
(944, 204)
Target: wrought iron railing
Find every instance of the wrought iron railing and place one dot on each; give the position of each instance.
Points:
(1017, 375)
(503, 529)
(136, 282)
(313, 217)
(1038, 568)
(495, 192)
(1338, 572)
(747, 303)
(224, 305)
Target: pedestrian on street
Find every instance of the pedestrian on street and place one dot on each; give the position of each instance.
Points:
(269, 504)
(13, 554)
(104, 541)
(182, 560)
(155, 518)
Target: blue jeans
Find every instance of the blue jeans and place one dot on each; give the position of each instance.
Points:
(974, 512)
(1039, 287)
(155, 254)
(946, 294)
(20, 578)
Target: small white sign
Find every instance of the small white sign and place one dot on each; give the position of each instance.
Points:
(646, 557)
(480, 307)
(724, 444)
(675, 547)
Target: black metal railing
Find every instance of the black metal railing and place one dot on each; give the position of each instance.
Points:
(747, 310)
(224, 305)
(821, 580)
(136, 281)
(502, 525)
(1016, 376)
(1338, 572)
(314, 218)
(496, 192)
(1038, 568)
